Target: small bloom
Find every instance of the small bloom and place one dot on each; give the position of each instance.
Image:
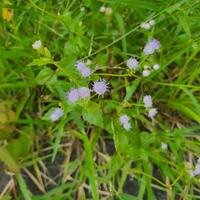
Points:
(147, 100)
(153, 112)
(151, 47)
(156, 66)
(100, 87)
(155, 44)
(146, 72)
(197, 169)
(85, 72)
(132, 63)
(145, 26)
(164, 146)
(84, 92)
(124, 119)
(102, 9)
(80, 65)
(37, 44)
(152, 22)
(56, 115)
(127, 126)
(73, 95)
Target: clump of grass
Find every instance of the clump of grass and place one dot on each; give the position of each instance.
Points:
(99, 99)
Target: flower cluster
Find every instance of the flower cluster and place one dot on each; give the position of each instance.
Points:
(124, 120)
(151, 47)
(147, 25)
(78, 93)
(56, 114)
(147, 69)
(147, 100)
(83, 69)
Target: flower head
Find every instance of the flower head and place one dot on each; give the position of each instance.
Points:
(127, 126)
(152, 22)
(37, 44)
(153, 112)
(56, 114)
(73, 95)
(100, 87)
(146, 72)
(147, 100)
(85, 71)
(124, 119)
(132, 63)
(156, 66)
(84, 92)
(145, 26)
(102, 9)
(164, 146)
(80, 65)
(151, 47)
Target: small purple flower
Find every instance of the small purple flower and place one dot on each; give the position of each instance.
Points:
(155, 44)
(147, 100)
(80, 65)
(152, 113)
(100, 87)
(85, 71)
(56, 114)
(132, 63)
(127, 126)
(151, 47)
(146, 72)
(73, 95)
(84, 92)
(124, 119)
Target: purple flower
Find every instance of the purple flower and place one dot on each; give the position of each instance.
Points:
(151, 47)
(80, 65)
(132, 63)
(84, 92)
(83, 69)
(56, 114)
(73, 95)
(100, 87)
(124, 119)
(127, 126)
(152, 113)
(147, 100)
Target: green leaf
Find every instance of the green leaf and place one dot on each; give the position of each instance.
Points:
(7, 158)
(46, 76)
(131, 89)
(40, 62)
(92, 114)
(19, 147)
(185, 110)
(125, 196)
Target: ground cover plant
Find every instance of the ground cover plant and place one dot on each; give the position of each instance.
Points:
(99, 99)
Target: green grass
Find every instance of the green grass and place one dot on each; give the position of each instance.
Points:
(87, 154)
